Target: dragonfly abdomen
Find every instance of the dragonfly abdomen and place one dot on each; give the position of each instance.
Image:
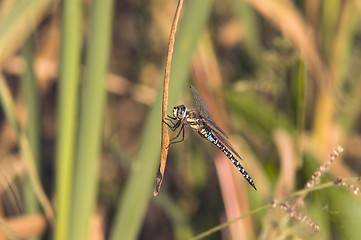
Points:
(207, 134)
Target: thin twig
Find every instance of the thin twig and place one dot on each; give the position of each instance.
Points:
(165, 137)
(223, 225)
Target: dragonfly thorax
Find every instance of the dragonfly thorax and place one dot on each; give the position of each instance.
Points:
(180, 112)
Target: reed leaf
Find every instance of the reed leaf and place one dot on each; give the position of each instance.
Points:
(68, 96)
(131, 209)
(91, 119)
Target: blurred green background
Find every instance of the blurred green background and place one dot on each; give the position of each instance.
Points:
(80, 118)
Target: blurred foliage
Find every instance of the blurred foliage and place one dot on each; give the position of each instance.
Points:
(282, 78)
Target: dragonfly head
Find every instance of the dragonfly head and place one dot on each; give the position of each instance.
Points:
(180, 111)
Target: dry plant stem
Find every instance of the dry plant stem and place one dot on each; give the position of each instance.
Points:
(165, 137)
(296, 215)
(315, 179)
(318, 173)
(284, 205)
(267, 206)
(223, 225)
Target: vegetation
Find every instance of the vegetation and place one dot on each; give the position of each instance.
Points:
(80, 121)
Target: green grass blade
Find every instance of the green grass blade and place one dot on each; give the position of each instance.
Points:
(9, 109)
(68, 96)
(300, 97)
(91, 118)
(141, 182)
(31, 96)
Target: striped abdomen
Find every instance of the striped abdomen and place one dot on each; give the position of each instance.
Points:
(207, 134)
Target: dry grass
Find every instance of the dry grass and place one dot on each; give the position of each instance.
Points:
(282, 78)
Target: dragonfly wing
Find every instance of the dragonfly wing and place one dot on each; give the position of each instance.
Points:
(225, 142)
(214, 126)
(203, 110)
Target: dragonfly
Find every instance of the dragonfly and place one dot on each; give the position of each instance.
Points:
(201, 121)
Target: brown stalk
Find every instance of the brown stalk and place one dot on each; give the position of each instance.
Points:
(165, 137)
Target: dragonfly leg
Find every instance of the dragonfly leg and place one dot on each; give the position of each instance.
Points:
(171, 141)
(169, 118)
(175, 125)
(170, 126)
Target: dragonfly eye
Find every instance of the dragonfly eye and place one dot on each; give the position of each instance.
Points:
(180, 111)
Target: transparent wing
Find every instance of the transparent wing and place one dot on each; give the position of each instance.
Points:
(226, 143)
(202, 109)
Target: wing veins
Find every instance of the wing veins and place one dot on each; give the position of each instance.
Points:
(203, 110)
